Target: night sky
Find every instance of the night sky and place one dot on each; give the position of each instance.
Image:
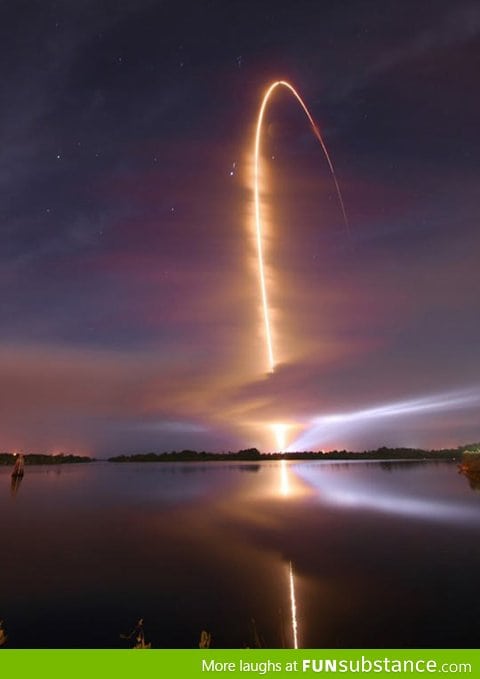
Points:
(129, 312)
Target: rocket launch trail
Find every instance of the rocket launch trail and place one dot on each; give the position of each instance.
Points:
(257, 203)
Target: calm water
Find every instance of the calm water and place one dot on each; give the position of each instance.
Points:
(374, 554)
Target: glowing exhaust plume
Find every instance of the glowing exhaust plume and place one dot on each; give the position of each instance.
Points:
(293, 606)
(258, 217)
(280, 432)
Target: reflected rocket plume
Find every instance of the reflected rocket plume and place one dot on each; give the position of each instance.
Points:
(284, 482)
(336, 424)
(257, 204)
(353, 493)
(293, 605)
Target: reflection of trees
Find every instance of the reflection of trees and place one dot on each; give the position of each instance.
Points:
(473, 478)
(248, 468)
(470, 467)
(385, 465)
(391, 465)
(15, 484)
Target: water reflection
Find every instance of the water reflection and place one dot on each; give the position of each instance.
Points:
(285, 491)
(252, 468)
(103, 544)
(357, 492)
(338, 485)
(293, 605)
(290, 485)
(15, 483)
(472, 476)
(284, 480)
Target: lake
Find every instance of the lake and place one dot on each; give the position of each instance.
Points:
(324, 554)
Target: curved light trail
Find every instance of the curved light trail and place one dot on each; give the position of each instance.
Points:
(257, 208)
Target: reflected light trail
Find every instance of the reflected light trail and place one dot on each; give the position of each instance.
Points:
(341, 491)
(293, 606)
(257, 208)
(284, 481)
(290, 485)
(337, 423)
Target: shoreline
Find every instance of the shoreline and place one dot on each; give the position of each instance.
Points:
(459, 455)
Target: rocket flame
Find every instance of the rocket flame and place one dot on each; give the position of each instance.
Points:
(280, 432)
(258, 217)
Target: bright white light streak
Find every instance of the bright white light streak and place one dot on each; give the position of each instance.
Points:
(336, 423)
